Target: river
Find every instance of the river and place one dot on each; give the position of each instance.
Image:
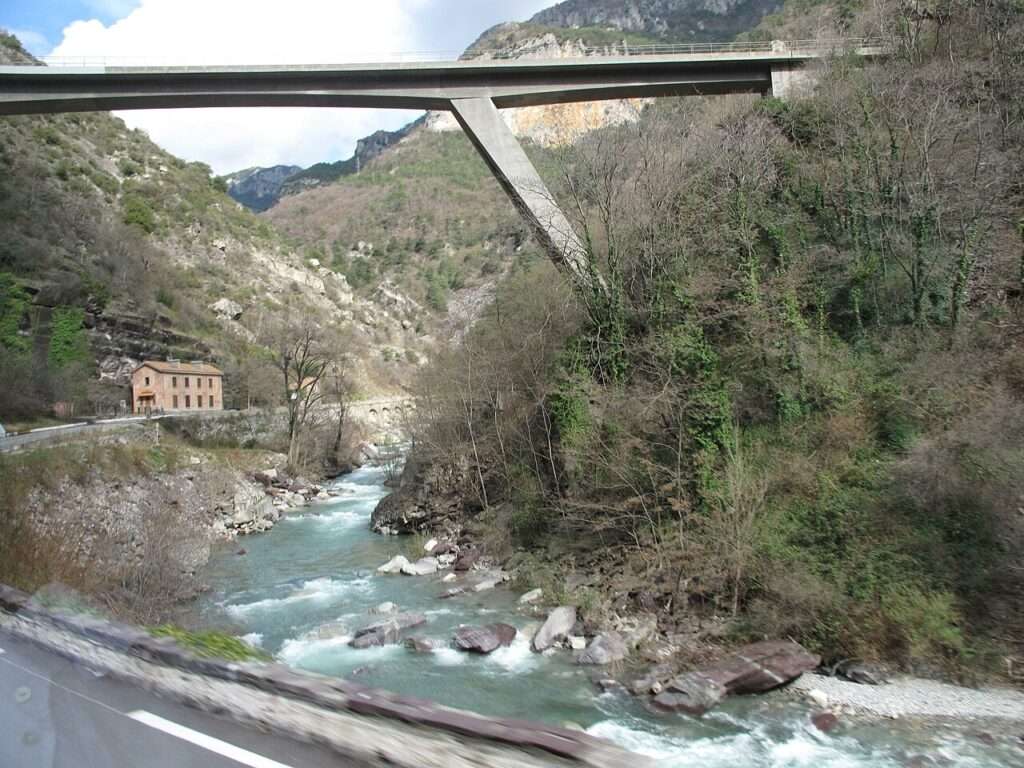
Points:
(319, 567)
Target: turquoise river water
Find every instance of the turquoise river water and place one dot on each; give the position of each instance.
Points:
(318, 567)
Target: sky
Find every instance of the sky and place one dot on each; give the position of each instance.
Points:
(262, 32)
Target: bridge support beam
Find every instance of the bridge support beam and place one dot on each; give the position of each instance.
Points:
(790, 79)
(508, 162)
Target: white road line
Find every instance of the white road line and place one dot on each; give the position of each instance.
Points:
(230, 751)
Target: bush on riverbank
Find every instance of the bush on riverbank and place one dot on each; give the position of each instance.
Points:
(800, 400)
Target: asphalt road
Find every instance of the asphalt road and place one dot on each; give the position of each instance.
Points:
(54, 714)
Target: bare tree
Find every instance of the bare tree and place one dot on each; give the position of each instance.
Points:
(303, 356)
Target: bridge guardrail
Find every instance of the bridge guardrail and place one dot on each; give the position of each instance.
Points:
(612, 49)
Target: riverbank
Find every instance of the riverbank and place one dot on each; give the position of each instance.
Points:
(305, 589)
(128, 521)
(913, 698)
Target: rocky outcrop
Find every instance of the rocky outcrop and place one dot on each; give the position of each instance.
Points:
(430, 494)
(367, 148)
(259, 188)
(484, 639)
(558, 625)
(752, 669)
(226, 309)
(682, 20)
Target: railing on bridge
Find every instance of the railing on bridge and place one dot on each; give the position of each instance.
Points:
(798, 47)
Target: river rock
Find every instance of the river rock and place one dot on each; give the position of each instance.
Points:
(384, 608)
(328, 631)
(638, 629)
(752, 669)
(449, 577)
(606, 648)
(531, 597)
(485, 585)
(558, 625)
(251, 506)
(423, 644)
(267, 477)
(466, 560)
(575, 642)
(429, 547)
(859, 672)
(394, 565)
(451, 592)
(652, 681)
(824, 721)
(386, 632)
(422, 567)
(484, 639)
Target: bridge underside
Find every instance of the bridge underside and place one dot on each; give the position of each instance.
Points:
(472, 92)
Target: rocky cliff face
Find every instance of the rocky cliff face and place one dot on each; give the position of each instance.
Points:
(675, 20)
(259, 188)
(552, 124)
(367, 148)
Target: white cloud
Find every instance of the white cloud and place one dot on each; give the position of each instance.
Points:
(260, 31)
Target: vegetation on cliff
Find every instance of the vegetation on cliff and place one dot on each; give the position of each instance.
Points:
(800, 402)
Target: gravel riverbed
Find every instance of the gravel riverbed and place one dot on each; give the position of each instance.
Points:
(916, 698)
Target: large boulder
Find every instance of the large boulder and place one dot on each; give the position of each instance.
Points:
(752, 669)
(484, 639)
(394, 565)
(386, 632)
(559, 624)
(422, 567)
(226, 309)
(606, 648)
(466, 560)
(533, 596)
(251, 506)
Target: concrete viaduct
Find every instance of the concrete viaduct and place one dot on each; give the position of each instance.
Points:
(473, 90)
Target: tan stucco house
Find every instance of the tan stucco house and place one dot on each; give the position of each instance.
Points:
(171, 385)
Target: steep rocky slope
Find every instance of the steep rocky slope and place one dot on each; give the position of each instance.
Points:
(669, 20)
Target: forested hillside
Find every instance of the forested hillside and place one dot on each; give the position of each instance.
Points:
(799, 401)
(113, 250)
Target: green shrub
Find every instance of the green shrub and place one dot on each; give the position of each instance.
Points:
(68, 343)
(138, 213)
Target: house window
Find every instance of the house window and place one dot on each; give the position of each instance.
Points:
(188, 400)
(199, 402)
(174, 381)
(147, 381)
(174, 401)
(199, 381)
(186, 382)
(211, 402)
(210, 382)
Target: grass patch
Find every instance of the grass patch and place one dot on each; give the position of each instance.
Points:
(211, 644)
